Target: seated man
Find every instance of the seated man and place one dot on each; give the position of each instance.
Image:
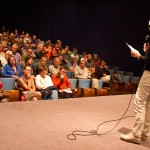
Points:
(45, 85)
(53, 69)
(82, 72)
(29, 53)
(102, 73)
(61, 81)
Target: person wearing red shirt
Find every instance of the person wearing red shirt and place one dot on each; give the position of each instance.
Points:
(61, 81)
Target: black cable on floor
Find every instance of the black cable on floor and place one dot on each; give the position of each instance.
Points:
(73, 135)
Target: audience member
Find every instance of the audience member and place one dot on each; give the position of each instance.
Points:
(26, 82)
(28, 53)
(82, 71)
(75, 53)
(47, 50)
(96, 59)
(54, 69)
(102, 73)
(73, 64)
(4, 60)
(45, 85)
(84, 57)
(39, 52)
(16, 54)
(12, 69)
(61, 81)
(42, 63)
(2, 51)
(29, 62)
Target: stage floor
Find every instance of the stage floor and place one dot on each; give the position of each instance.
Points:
(44, 125)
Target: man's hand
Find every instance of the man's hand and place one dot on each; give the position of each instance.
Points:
(146, 46)
(135, 54)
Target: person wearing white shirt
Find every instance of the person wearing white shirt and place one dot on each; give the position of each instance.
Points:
(43, 81)
(82, 72)
(4, 60)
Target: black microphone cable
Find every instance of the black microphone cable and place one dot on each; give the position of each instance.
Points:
(73, 135)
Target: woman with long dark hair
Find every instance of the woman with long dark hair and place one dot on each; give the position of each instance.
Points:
(12, 69)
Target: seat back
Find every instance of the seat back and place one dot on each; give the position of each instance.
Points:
(34, 65)
(135, 80)
(100, 84)
(116, 68)
(111, 72)
(36, 60)
(84, 83)
(69, 74)
(8, 83)
(129, 73)
(49, 62)
(119, 72)
(73, 83)
(125, 78)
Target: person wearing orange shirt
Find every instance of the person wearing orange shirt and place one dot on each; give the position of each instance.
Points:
(61, 81)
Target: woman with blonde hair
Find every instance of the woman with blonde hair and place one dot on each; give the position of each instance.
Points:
(27, 84)
(42, 63)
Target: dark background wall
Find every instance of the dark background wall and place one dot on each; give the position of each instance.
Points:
(101, 27)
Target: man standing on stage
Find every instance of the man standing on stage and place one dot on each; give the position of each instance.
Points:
(142, 100)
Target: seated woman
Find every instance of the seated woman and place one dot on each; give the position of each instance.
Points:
(61, 81)
(29, 62)
(26, 82)
(45, 85)
(12, 69)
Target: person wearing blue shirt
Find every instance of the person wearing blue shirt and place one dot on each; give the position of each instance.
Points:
(12, 69)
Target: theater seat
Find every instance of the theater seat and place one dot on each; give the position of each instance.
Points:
(36, 60)
(8, 87)
(84, 84)
(120, 72)
(134, 82)
(100, 91)
(8, 83)
(73, 83)
(69, 74)
(129, 73)
(127, 85)
(111, 71)
(100, 84)
(115, 68)
(76, 91)
(125, 78)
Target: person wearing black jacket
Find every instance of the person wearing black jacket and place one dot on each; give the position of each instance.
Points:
(102, 73)
(142, 100)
